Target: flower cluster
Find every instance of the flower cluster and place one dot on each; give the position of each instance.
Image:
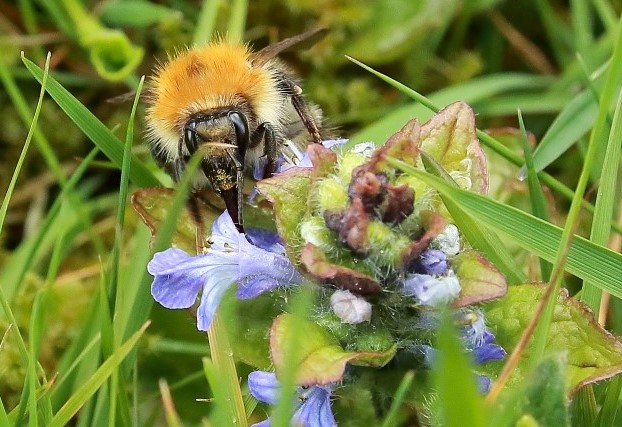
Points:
(381, 244)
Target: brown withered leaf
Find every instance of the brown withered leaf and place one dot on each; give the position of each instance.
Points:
(403, 145)
(351, 226)
(400, 203)
(433, 224)
(323, 159)
(319, 267)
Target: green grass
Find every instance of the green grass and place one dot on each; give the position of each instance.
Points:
(82, 342)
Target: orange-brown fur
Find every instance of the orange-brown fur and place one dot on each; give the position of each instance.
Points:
(213, 76)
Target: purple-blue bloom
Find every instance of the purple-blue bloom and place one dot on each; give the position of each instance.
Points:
(430, 290)
(431, 261)
(178, 277)
(313, 402)
(483, 383)
(477, 338)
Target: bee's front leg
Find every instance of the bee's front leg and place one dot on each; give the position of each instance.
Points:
(265, 132)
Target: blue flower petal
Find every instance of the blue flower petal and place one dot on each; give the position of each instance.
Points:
(483, 383)
(252, 286)
(264, 386)
(488, 352)
(212, 294)
(178, 278)
(315, 411)
(224, 234)
(431, 261)
(265, 239)
(256, 262)
(264, 423)
(432, 291)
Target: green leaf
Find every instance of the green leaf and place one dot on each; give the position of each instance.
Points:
(288, 193)
(479, 279)
(593, 354)
(319, 358)
(249, 333)
(92, 127)
(545, 398)
(152, 205)
(137, 13)
(449, 137)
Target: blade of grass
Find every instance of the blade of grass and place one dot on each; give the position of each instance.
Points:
(206, 24)
(605, 200)
(536, 195)
(472, 91)
(9, 192)
(237, 21)
(223, 361)
(559, 34)
(77, 400)
(581, 16)
(607, 14)
(13, 274)
(172, 419)
(4, 419)
(142, 303)
(391, 418)
(113, 285)
(223, 408)
(607, 415)
(460, 400)
(115, 297)
(300, 306)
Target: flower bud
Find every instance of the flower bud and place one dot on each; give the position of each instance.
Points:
(350, 308)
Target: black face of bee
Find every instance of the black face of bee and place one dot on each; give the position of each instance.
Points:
(223, 137)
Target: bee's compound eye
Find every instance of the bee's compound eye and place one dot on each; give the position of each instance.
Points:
(190, 136)
(240, 125)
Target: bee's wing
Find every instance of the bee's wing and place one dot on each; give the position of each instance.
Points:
(126, 97)
(267, 53)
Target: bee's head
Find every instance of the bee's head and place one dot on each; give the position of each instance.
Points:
(223, 138)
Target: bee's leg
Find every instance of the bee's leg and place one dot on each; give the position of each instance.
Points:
(265, 132)
(303, 111)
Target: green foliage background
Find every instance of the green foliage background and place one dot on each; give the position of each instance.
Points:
(72, 262)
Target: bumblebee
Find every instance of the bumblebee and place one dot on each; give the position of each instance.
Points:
(240, 107)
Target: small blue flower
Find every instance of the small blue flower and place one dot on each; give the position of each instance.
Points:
(257, 268)
(431, 261)
(430, 290)
(477, 338)
(483, 383)
(313, 403)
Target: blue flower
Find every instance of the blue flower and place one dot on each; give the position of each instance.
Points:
(477, 338)
(430, 290)
(257, 267)
(431, 261)
(313, 403)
